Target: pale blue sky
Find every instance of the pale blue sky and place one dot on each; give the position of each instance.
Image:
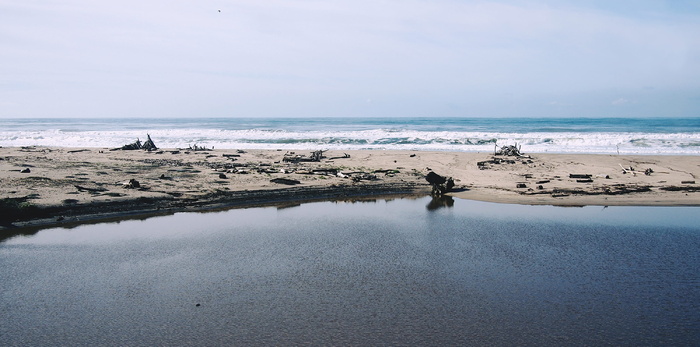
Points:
(349, 58)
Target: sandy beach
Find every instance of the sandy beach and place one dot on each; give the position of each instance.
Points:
(48, 186)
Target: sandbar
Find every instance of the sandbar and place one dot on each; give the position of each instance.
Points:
(53, 186)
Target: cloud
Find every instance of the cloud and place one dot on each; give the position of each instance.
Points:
(559, 103)
(279, 56)
(620, 101)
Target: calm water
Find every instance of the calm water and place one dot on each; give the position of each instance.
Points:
(536, 135)
(400, 272)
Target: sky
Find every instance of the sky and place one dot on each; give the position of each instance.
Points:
(354, 58)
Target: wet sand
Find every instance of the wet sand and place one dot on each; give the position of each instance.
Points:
(48, 186)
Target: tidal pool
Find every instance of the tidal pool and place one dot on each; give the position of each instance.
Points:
(384, 272)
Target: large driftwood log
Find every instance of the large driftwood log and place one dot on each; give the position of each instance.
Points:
(441, 184)
(286, 181)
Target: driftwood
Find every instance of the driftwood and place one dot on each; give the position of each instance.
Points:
(441, 184)
(129, 147)
(329, 171)
(486, 164)
(315, 156)
(286, 181)
(344, 156)
(91, 190)
(363, 176)
(200, 148)
(148, 145)
(132, 184)
(513, 151)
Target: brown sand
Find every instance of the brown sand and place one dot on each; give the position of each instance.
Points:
(72, 184)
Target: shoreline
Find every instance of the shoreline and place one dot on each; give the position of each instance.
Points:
(54, 186)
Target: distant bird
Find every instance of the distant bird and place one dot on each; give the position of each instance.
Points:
(219, 10)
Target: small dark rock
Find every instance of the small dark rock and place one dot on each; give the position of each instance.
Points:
(222, 176)
(26, 170)
(521, 185)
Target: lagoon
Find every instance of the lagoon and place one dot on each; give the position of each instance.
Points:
(377, 272)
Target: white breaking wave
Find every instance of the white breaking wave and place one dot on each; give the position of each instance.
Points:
(540, 142)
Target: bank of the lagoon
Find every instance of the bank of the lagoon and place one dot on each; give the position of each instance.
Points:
(45, 185)
(385, 272)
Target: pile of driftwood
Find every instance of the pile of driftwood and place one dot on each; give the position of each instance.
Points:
(200, 148)
(292, 157)
(147, 146)
(513, 151)
(631, 170)
(441, 184)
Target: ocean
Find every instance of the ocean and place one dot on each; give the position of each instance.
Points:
(666, 136)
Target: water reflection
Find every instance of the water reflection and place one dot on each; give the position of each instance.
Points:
(372, 273)
(438, 202)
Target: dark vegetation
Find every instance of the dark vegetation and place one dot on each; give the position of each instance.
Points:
(14, 209)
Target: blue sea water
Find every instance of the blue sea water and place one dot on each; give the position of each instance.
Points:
(535, 135)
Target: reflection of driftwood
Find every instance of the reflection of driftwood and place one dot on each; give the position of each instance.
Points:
(439, 202)
(441, 184)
